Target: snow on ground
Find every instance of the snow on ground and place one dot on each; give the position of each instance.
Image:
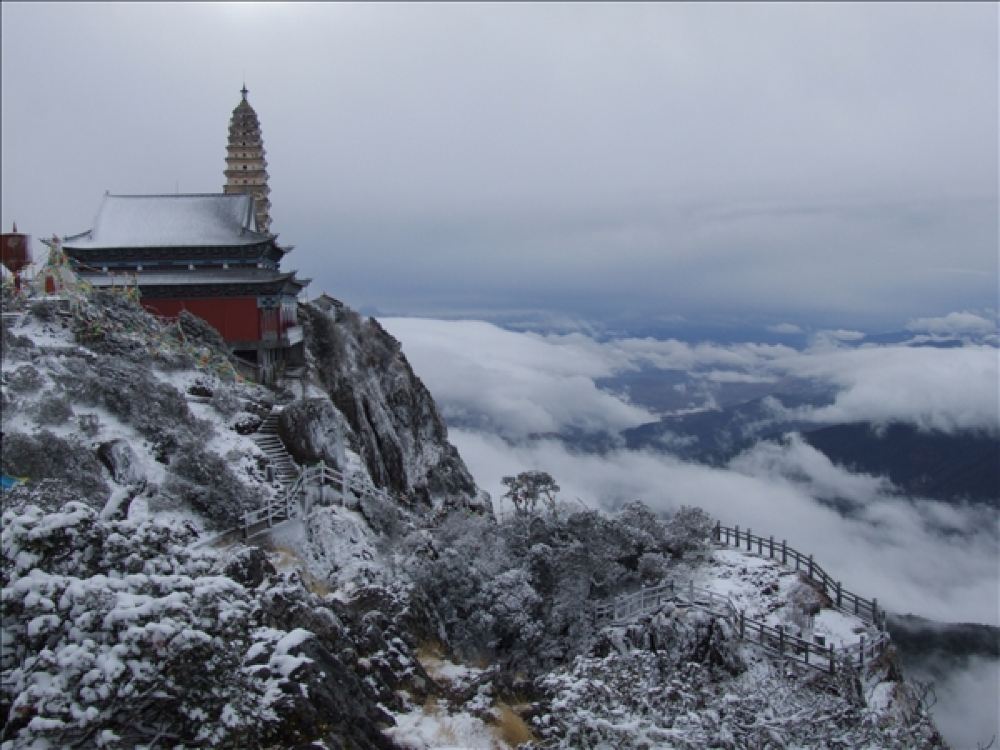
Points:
(767, 590)
(54, 334)
(339, 548)
(430, 728)
(458, 676)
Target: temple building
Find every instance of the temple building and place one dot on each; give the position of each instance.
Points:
(209, 254)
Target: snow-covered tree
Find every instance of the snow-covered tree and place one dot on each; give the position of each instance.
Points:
(529, 489)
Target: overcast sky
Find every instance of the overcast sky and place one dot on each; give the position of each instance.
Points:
(784, 163)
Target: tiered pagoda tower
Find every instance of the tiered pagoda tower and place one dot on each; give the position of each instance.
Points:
(246, 167)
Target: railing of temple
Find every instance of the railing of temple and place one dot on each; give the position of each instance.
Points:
(846, 601)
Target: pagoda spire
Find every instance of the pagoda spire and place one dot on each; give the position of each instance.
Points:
(246, 165)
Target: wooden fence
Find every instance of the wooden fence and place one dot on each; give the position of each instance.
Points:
(817, 654)
(846, 601)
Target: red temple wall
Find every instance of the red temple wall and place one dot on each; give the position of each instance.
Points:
(236, 318)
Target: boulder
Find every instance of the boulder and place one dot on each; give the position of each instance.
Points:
(120, 460)
(313, 430)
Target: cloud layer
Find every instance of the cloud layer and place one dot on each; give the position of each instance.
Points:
(930, 558)
(524, 383)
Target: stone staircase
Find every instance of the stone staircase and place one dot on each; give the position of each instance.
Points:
(285, 470)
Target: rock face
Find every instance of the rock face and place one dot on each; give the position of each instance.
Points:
(394, 425)
(313, 430)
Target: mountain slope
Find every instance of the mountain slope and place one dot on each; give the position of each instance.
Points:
(963, 466)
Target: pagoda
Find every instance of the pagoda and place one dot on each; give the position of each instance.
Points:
(246, 167)
(212, 254)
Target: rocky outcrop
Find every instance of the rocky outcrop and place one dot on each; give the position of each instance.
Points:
(118, 457)
(394, 424)
(313, 430)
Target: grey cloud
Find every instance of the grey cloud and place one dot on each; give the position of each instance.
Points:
(788, 161)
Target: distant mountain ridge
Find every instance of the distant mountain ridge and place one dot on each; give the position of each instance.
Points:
(927, 464)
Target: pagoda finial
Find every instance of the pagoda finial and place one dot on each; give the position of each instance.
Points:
(244, 91)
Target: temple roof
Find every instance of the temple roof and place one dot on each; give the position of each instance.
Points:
(208, 219)
(240, 276)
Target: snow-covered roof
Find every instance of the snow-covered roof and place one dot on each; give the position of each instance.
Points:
(208, 219)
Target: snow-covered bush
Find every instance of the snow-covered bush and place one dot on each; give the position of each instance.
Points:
(522, 591)
(116, 634)
(689, 530)
(225, 401)
(157, 410)
(206, 483)
(25, 379)
(54, 411)
(45, 455)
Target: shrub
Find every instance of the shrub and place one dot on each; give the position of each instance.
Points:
(54, 410)
(45, 455)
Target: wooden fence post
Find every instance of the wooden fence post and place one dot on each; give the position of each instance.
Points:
(718, 531)
(736, 533)
(875, 611)
(784, 552)
(743, 625)
(748, 538)
(861, 652)
(838, 593)
(833, 660)
(760, 545)
(810, 567)
(807, 651)
(771, 546)
(781, 639)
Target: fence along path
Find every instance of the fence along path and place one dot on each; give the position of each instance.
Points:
(627, 608)
(320, 484)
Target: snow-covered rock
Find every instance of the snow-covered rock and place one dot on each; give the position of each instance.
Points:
(394, 423)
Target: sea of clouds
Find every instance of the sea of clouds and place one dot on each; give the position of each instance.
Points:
(939, 560)
(930, 558)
